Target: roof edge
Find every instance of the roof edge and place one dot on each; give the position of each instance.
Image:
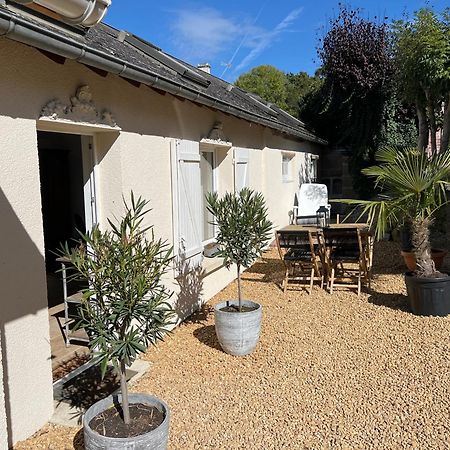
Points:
(21, 30)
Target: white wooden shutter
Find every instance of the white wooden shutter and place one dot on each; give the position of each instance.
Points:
(241, 158)
(189, 202)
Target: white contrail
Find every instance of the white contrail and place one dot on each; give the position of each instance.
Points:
(230, 62)
(268, 37)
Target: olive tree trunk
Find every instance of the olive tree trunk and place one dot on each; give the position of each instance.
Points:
(239, 287)
(124, 391)
(422, 248)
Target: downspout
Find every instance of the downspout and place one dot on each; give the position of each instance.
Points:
(30, 34)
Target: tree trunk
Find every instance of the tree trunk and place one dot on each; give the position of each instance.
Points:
(124, 391)
(422, 248)
(239, 286)
(423, 127)
(446, 127)
(433, 128)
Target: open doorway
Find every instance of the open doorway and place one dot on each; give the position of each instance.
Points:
(66, 167)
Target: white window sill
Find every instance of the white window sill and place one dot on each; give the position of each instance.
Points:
(288, 180)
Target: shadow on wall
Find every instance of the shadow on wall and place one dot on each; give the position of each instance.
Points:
(19, 258)
(305, 173)
(190, 280)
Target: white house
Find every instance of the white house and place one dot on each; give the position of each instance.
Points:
(88, 114)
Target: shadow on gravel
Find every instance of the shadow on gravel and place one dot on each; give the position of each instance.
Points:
(271, 269)
(393, 301)
(207, 335)
(78, 440)
(200, 316)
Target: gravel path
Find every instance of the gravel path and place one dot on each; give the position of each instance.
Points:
(330, 372)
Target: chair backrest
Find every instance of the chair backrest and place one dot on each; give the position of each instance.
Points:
(344, 239)
(310, 198)
(294, 239)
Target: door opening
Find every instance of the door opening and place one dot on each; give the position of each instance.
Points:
(66, 167)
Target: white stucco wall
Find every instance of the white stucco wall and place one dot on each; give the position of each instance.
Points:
(24, 317)
(138, 158)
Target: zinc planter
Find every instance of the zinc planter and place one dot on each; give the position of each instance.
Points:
(428, 296)
(238, 332)
(153, 440)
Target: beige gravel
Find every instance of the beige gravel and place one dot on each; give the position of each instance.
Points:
(330, 372)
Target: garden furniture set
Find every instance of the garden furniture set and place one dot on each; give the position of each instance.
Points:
(337, 255)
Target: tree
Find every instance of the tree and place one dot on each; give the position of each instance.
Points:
(422, 52)
(244, 229)
(349, 109)
(125, 308)
(299, 86)
(267, 82)
(412, 188)
(357, 69)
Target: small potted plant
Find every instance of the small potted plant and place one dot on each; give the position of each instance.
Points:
(413, 187)
(243, 232)
(123, 311)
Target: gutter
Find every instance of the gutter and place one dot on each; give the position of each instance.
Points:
(28, 33)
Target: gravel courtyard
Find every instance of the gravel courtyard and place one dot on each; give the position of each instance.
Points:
(330, 372)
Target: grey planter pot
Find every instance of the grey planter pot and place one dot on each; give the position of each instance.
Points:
(238, 333)
(154, 440)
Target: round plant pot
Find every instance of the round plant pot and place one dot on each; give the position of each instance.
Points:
(155, 439)
(238, 332)
(428, 296)
(437, 255)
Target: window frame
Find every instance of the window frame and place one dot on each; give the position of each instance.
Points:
(287, 177)
(215, 186)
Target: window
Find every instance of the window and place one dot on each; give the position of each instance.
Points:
(312, 169)
(286, 167)
(207, 167)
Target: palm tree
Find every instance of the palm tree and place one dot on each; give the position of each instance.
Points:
(413, 187)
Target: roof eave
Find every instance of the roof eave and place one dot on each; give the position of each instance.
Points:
(28, 33)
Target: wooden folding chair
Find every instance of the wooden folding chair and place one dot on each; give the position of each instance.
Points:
(366, 243)
(298, 251)
(345, 258)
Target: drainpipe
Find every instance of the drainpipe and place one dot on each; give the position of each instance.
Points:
(77, 12)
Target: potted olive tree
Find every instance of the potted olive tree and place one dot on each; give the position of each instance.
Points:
(413, 186)
(123, 311)
(243, 232)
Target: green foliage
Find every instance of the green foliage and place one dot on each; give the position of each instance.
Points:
(422, 50)
(125, 308)
(300, 86)
(412, 189)
(267, 82)
(399, 125)
(244, 229)
(274, 86)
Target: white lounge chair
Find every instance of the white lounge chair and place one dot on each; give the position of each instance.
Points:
(309, 199)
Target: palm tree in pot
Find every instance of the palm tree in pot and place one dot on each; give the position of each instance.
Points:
(243, 232)
(413, 187)
(124, 310)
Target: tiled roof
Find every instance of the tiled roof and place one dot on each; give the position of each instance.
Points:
(109, 44)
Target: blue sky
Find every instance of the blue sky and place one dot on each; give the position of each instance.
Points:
(234, 36)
